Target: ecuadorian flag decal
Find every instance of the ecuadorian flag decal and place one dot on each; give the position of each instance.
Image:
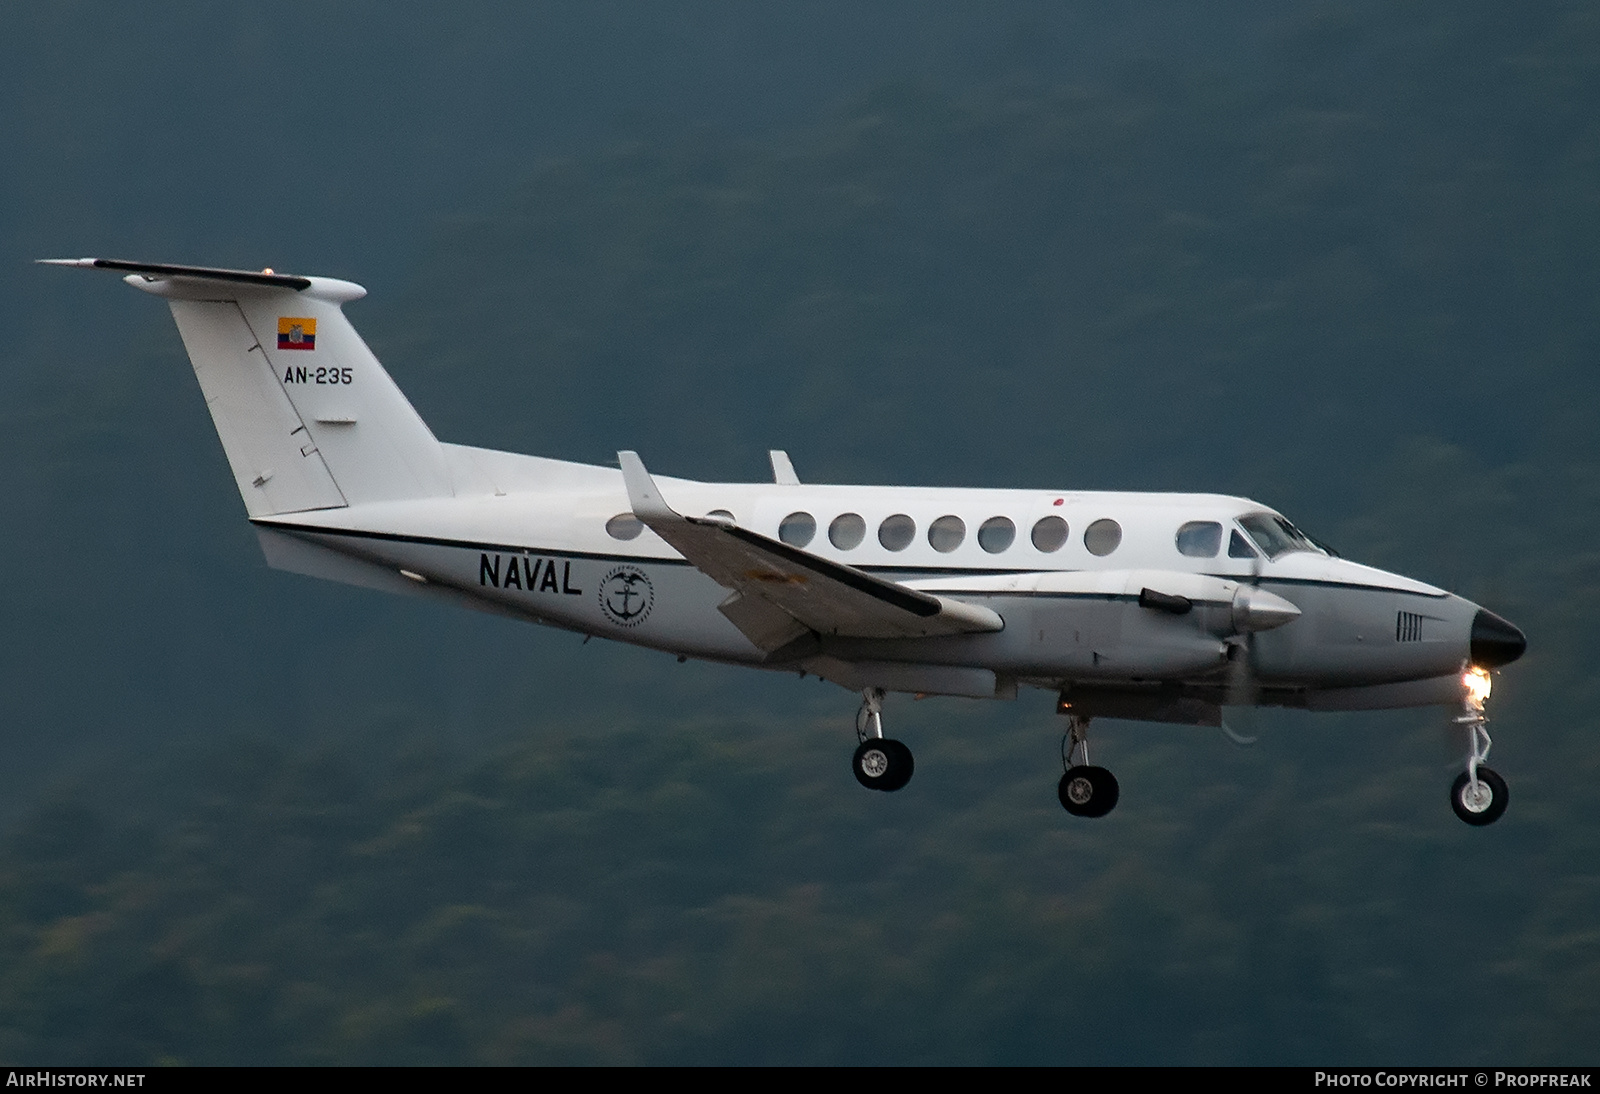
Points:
(294, 333)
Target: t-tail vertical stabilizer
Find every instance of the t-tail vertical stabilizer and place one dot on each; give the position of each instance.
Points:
(307, 416)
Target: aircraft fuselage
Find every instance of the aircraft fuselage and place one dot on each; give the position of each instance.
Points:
(533, 542)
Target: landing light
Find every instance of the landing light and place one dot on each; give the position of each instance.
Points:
(1476, 683)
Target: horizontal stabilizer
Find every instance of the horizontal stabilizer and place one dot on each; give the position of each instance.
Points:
(307, 415)
(827, 597)
(205, 273)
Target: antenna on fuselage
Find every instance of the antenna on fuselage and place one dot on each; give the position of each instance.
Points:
(782, 468)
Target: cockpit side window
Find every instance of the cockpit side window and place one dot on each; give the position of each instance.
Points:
(1239, 548)
(1274, 535)
(1200, 539)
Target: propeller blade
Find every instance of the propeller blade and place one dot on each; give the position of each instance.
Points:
(1242, 741)
(1241, 689)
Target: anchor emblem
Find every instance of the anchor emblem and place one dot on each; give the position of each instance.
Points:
(626, 596)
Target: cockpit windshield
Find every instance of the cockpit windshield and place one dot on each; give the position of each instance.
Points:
(1276, 536)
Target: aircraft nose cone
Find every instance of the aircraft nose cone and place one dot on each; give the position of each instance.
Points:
(1494, 641)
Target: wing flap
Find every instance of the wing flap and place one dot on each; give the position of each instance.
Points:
(764, 623)
(821, 595)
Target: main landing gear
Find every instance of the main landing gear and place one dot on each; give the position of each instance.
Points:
(880, 763)
(1085, 791)
(1478, 795)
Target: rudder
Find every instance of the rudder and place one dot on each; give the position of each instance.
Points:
(372, 440)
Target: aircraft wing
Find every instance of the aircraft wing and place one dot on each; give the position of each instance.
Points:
(781, 592)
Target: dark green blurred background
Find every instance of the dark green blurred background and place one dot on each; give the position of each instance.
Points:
(1340, 257)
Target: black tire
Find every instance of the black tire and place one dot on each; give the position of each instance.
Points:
(1088, 791)
(882, 764)
(1479, 814)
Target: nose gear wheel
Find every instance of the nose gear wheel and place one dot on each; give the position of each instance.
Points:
(1479, 801)
(1479, 795)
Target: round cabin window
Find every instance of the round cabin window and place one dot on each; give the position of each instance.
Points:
(1102, 537)
(897, 532)
(847, 531)
(996, 534)
(797, 529)
(1049, 534)
(946, 534)
(624, 526)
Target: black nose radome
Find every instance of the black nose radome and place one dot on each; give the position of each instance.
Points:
(1494, 641)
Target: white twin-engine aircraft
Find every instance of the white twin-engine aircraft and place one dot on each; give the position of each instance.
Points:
(1160, 607)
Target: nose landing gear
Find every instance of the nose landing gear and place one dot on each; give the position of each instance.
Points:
(1479, 795)
(1085, 791)
(880, 763)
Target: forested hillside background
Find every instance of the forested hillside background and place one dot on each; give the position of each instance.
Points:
(1340, 257)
